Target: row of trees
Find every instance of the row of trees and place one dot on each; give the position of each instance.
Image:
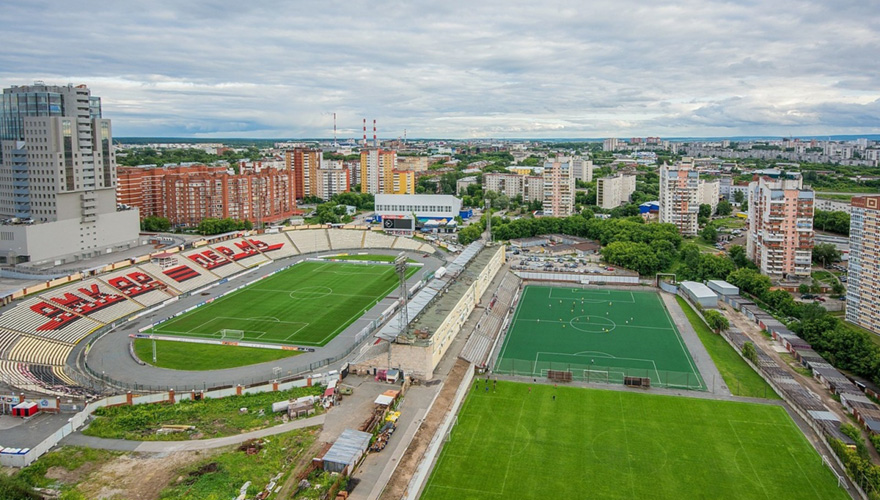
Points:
(155, 224)
(220, 226)
(834, 222)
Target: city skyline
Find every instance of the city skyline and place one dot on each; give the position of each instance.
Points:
(688, 69)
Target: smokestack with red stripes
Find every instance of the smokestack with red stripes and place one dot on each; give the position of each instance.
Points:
(365, 132)
(375, 141)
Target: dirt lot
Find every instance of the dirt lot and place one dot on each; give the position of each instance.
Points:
(400, 480)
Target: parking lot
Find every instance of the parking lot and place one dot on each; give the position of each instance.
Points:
(520, 261)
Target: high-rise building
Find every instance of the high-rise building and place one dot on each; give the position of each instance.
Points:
(376, 165)
(187, 195)
(582, 169)
(558, 188)
(679, 197)
(863, 284)
(332, 181)
(709, 193)
(304, 162)
(530, 187)
(58, 176)
(610, 144)
(780, 237)
(614, 191)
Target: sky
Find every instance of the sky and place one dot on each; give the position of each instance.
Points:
(455, 69)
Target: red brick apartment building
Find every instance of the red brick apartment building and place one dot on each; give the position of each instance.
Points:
(186, 195)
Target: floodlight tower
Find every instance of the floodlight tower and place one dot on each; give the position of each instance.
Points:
(488, 220)
(403, 316)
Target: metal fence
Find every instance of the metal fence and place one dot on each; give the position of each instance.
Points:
(601, 374)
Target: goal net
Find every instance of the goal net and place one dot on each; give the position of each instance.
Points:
(227, 334)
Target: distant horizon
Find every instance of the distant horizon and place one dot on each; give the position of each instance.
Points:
(183, 139)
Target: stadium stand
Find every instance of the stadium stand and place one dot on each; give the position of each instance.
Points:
(274, 246)
(477, 348)
(7, 339)
(94, 299)
(138, 286)
(403, 243)
(342, 239)
(181, 277)
(11, 374)
(213, 261)
(38, 317)
(241, 252)
(39, 351)
(309, 240)
(375, 239)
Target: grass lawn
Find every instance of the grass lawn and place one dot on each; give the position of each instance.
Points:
(518, 442)
(307, 304)
(597, 334)
(211, 417)
(731, 222)
(740, 378)
(372, 257)
(230, 470)
(188, 356)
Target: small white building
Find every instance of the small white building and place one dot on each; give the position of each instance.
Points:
(722, 287)
(700, 294)
(421, 206)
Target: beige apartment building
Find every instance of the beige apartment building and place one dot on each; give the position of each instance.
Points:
(615, 191)
(863, 284)
(780, 237)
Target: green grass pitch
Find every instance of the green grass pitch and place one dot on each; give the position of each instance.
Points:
(587, 443)
(307, 304)
(196, 357)
(600, 335)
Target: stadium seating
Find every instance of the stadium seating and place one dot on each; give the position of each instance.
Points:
(310, 240)
(7, 340)
(241, 252)
(180, 276)
(39, 351)
(138, 286)
(274, 246)
(403, 243)
(341, 239)
(94, 299)
(212, 261)
(375, 239)
(38, 317)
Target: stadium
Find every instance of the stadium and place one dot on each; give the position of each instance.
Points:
(550, 362)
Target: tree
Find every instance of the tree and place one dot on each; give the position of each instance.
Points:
(738, 255)
(739, 197)
(724, 208)
(705, 211)
(709, 234)
(825, 253)
(155, 223)
(716, 321)
(837, 288)
(803, 289)
(835, 222)
(749, 352)
(744, 207)
(816, 287)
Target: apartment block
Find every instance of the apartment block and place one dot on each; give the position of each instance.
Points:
(709, 193)
(615, 191)
(530, 187)
(304, 163)
(610, 144)
(332, 181)
(679, 197)
(582, 169)
(780, 237)
(863, 285)
(558, 188)
(187, 195)
(58, 174)
(379, 173)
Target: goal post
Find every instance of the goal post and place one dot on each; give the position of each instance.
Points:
(229, 334)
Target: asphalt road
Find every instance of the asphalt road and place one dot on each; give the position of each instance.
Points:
(110, 354)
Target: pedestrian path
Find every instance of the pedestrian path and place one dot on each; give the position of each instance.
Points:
(79, 439)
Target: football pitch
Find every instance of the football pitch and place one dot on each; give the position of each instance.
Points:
(519, 442)
(307, 304)
(599, 335)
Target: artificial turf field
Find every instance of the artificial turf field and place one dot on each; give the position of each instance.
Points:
(600, 335)
(307, 304)
(587, 443)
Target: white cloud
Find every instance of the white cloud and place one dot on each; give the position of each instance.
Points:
(475, 69)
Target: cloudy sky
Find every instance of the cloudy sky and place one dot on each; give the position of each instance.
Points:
(459, 69)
